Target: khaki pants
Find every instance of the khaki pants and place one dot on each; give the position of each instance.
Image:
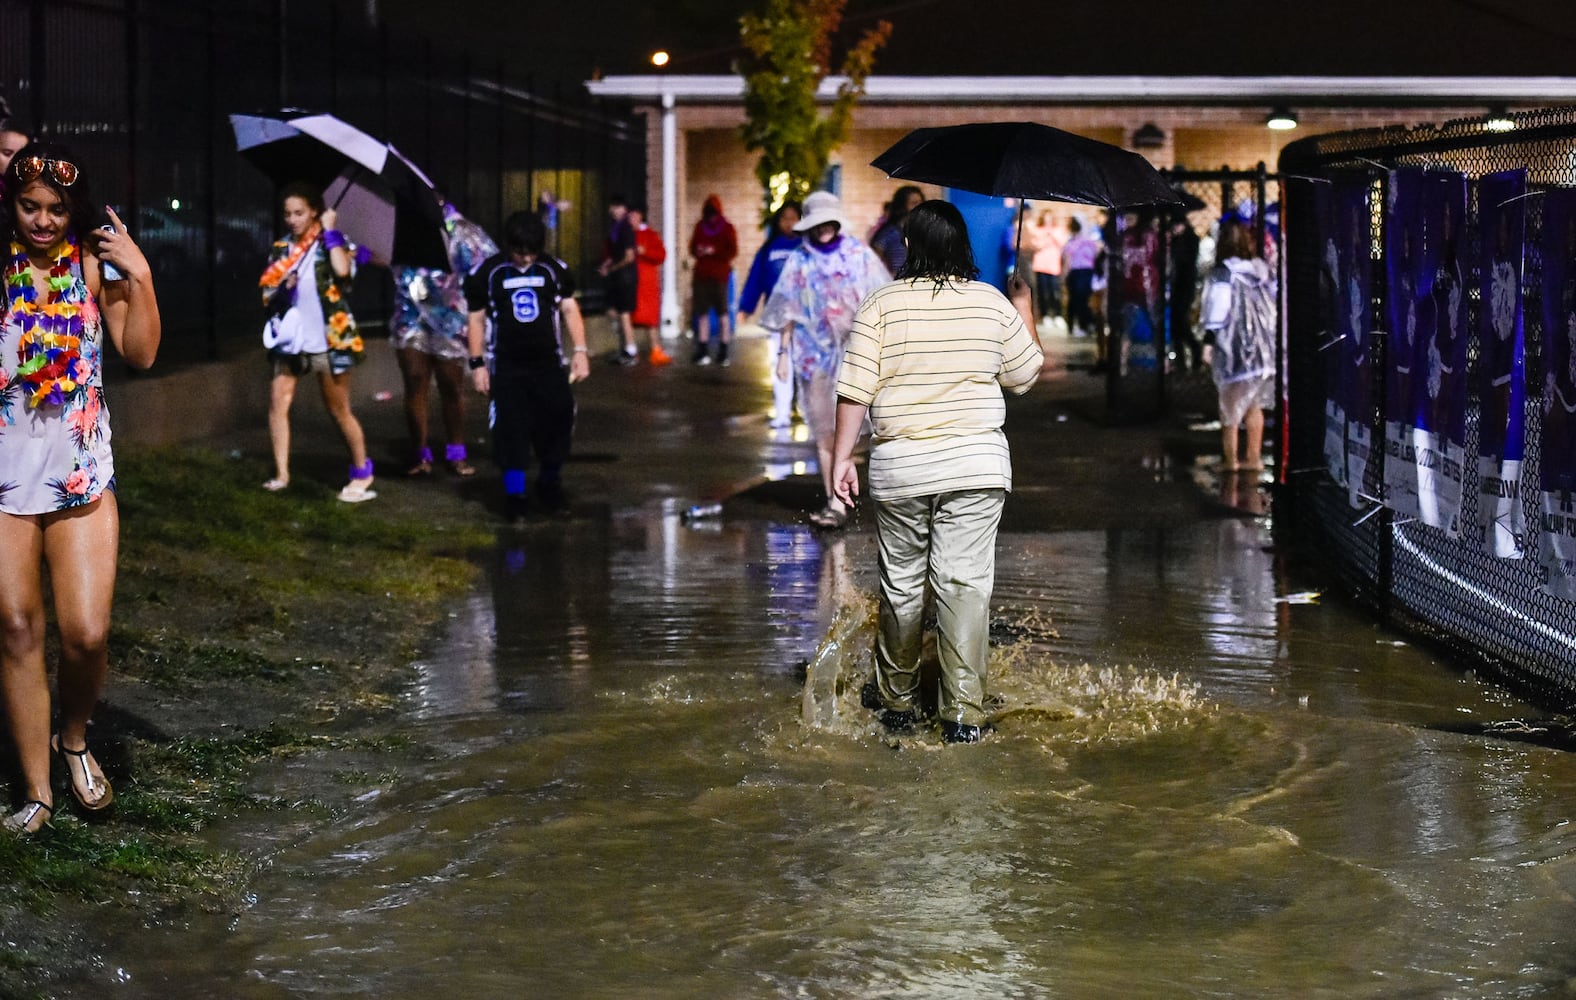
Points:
(947, 540)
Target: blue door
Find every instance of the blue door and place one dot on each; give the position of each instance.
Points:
(989, 220)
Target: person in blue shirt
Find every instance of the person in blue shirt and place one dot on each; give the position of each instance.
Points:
(768, 264)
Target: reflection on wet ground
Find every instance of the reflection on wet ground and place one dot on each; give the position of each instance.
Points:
(1194, 789)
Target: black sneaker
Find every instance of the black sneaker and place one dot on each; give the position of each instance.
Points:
(629, 358)
(702, 355)
(957, 732)
(897, 721)
(516, 512)
(722, 354)
(870, 697)
(551, 496)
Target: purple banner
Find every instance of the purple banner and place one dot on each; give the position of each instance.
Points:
(1409, 318)
(1557, 454)
(1332, 339)
(1440, 380)
(1353, 324)
(1442, 405)
(1502, 227)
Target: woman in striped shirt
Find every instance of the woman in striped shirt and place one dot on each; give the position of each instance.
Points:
(928, 358)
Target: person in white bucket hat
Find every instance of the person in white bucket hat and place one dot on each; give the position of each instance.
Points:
(813, 306)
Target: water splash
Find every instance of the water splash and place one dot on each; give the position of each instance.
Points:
(1029, 693)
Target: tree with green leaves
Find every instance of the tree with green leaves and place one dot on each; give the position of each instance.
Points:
(790, 47)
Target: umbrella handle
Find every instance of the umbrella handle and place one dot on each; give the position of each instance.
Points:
(1018, 243)
(359, 169)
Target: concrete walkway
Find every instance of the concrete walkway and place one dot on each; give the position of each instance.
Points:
(682, 434)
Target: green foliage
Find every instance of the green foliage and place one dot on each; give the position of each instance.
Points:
(789, 48)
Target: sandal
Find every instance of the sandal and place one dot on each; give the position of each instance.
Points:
(21, 821)
(423, 466)
(275, 484)
(454, 454)
(86, 777)
(359, 489)
(828, 517)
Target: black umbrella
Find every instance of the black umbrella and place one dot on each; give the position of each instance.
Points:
(384, 201)
(1029, 161)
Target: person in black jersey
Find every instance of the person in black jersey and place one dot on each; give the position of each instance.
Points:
(528, 296)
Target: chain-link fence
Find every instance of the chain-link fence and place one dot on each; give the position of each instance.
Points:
(141, 90)
(1450, 582)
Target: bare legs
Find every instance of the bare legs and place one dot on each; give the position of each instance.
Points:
(626, 331)
(336, 396)
(419, 369)
(81, 546)
(281, 395)
(1253, 424)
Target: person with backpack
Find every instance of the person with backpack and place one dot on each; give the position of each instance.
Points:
(1239, 309)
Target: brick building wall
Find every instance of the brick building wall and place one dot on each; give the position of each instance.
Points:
(712, 158)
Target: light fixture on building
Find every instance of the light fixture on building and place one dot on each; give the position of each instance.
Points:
(1281, 120)
(659, 58)
(1149, 136)
(1498, 121)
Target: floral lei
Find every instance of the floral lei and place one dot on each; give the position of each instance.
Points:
(50, 351)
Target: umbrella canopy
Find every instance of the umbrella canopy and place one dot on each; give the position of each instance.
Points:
(384, 202)
(395, 214)
(1027, 160)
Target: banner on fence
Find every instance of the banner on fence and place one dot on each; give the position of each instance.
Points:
(1355, 319)
(1439, 383)
(1408, 283)
(1332, 330)
(1502, 228)
(1557, 454)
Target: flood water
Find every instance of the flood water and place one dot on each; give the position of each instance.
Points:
(1193, 789)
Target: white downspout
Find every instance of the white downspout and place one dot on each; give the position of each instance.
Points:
(670, 218)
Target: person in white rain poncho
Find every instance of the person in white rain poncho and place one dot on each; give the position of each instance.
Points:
(1239, 309)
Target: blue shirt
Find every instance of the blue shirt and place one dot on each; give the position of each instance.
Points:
(766, 269)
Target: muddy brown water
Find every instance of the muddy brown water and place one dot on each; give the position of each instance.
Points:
(1194, 789)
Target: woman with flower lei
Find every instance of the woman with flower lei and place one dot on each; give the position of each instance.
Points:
(65, 285)
(306, 288)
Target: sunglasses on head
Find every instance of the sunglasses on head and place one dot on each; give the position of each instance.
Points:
(29, 167)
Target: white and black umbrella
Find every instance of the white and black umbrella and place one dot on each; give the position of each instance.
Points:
(384, 201)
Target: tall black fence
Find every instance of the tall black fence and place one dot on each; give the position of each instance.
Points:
(1446, 584)
(141, 90)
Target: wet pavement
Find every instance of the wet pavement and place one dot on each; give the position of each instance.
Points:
(649, 775)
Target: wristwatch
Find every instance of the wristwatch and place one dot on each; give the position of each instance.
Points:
(478, 362)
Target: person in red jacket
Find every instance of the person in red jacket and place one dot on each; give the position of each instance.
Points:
(649, 255)
(714, 245)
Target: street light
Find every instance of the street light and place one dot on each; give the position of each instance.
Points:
(659, 58)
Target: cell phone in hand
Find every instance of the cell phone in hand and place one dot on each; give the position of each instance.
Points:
(109, 271)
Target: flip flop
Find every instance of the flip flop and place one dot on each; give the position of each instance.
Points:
(21, 821)
(358, 491)
(275, 484)
(81, 765)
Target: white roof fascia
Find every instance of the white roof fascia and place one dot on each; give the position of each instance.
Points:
(1101, 89)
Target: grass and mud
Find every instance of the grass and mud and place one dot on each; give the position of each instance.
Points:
(250, 629)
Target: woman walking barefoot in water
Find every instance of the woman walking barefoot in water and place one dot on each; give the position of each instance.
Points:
(307, 282)
(57, 475)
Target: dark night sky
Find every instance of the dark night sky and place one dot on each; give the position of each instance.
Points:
(1025, 37)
